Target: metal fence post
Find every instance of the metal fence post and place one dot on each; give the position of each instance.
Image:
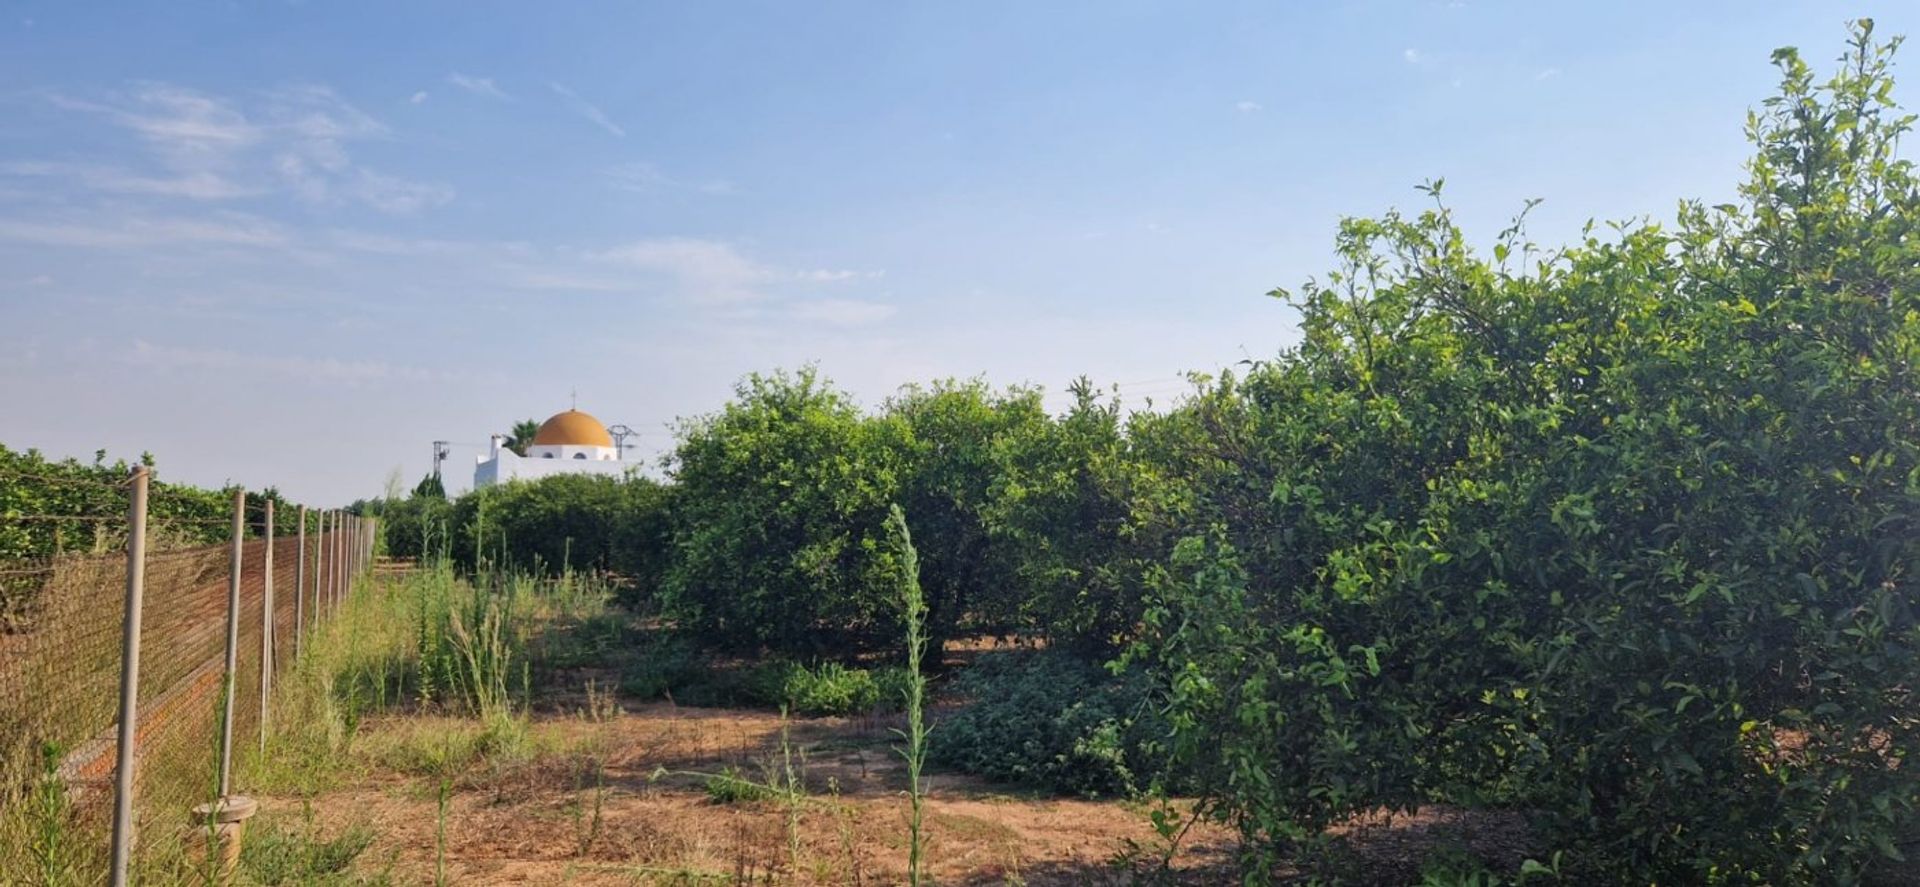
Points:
(300, 582)
(130, 677)
(340, 551)
(333, 567)
(333, 555)
(320, 559)
(320, 568)
(266, 627)
(346, 557)
(233, 642)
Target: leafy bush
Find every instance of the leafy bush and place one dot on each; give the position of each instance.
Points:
(955, 441)
(566, 521)
(730, 787)
(1622, 526)
(50, 508)
(1033, 524)
(1052, 720)
(826, 689)
(278, 851)
(1073, 508)
(777, 522)
(672, 666)
(665, 665)
(416, 527)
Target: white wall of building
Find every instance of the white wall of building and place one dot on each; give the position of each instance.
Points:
(570, 451)
(501, 465)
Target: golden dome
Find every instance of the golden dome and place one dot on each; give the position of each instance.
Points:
(572, 429)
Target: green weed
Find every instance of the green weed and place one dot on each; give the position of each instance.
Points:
(278, 851)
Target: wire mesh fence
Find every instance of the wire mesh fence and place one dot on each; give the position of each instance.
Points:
(62, 671)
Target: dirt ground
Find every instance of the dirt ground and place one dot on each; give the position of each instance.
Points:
(532, 822)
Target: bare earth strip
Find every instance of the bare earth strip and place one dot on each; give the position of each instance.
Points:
(528, 824)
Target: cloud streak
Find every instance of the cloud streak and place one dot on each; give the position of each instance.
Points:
(643, 178)
(716, 273)
(586, 109)
(705, 270)
(844, 312)
(198, 185)
(480, 86)
(138, 231)
(166, 358)
(294, 139)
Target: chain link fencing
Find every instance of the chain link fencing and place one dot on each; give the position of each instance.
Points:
(61, 675)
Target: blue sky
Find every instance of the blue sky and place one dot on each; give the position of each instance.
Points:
(292, 244)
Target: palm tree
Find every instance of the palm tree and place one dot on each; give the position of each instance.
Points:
(521, 437)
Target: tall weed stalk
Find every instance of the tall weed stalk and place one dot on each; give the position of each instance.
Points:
(915, 606)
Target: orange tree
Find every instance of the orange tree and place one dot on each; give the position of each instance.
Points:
(1623, 533)
(778, 513)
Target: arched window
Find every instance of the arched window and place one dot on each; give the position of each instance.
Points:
(579, 455)
(546, 455)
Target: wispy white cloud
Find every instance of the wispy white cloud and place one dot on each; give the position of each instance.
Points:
(294, 138)
(167, 358)
(566, 281)
(196, 185)
(316, 112)
(480, 86)
(706, 270)
(844, 312)
(230, 229)
(1246, 106)
(643, 177)
(397, 195)
(823, 275)
(1412, 56)
(1547, 74)
(417, 97)
(714, 272)
(186, 127)
(385, 244)
(586, 109)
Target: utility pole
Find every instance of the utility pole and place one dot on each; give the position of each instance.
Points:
(620, 433)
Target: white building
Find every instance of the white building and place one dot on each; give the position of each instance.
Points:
(569, 443)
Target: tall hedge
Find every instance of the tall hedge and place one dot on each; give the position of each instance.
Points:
(565, 521)
(778, 514)
(1623, 533)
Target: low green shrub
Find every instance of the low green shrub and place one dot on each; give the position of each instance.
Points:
(667, 665)
(279, 851)
(673, 667)
(1051, 720)
(894, 683)
(829, 688)
(729, 787)
(593, 641)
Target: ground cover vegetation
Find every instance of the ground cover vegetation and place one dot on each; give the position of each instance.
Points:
(1616, 536)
